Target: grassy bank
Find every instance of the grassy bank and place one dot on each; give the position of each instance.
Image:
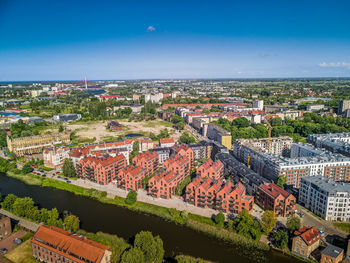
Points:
(245, 247)
(342, 226)
(22, 254)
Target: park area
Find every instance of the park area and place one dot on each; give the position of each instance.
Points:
(99, 131)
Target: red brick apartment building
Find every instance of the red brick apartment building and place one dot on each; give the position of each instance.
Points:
(101, 170)
(179, 165)
(53, 244)
(185, 150)
(226, 197)
(148, 161)
(130, 178)
(212, 170)
(163, 184)
(274, 198)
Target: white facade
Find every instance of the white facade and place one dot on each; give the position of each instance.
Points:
(325, 198)
(258, 104)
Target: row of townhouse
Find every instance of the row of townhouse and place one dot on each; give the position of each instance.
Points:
(218, 195)
(100, 169)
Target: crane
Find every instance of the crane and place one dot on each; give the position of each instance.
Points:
(269, 137)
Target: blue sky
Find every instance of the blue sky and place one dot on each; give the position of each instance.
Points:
(132, 39)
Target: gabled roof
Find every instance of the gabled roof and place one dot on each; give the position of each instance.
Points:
(274, 190)
(166, 140)
(68, 245)
(310, 235)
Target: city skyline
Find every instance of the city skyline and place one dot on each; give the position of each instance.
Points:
(173, 40)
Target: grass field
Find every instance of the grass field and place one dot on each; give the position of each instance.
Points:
(22, 254)
(343, 226)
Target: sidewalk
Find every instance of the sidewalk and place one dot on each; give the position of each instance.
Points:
(175, 202)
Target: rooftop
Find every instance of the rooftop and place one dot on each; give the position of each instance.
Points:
(327, 185)
(332, 251)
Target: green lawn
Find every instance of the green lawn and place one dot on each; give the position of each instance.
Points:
(343, 226)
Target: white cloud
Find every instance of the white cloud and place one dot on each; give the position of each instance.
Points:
(335, 65)
(151, 28)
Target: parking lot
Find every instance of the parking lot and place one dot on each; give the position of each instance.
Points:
(8, 243)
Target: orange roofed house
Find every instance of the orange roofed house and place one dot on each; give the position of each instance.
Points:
(226, 197)
(185, 150)
(274, 198)
(166, 142)
(148, 161)
(130, 178)
(212, 170)
(305, 240)
(53, 244)
(101, 169)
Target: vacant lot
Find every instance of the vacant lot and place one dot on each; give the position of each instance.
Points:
(22, 254)
(101, 133)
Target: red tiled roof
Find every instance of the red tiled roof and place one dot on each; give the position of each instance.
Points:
(166, 140)
(274, 190)
(310, 235)
(66, 244)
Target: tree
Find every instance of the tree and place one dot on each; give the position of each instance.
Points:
(220, 219)
(241, 122)
(268, 221)
(61, 128)
(282, 181)
(27, 168)
(131, 198)
(246, 226)
(281, 239)
(68, 168)
(187, 138)
(293, 223)
(151, 247)
(71, 223)
(8, 202)
(22, 206)
(133, 255)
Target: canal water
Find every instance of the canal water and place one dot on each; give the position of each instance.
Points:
(96, 216)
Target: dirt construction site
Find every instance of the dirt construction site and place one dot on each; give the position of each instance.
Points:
(99, 130)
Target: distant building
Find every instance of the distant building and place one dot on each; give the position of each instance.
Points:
(259, 104)
(218, 134)
(332, 254)
(305, 240)
(315, 107)
(53, 244)
(114, 126)
(166, 142)
(163, 153)
(66, 117)
(5, 227)
(35, 144)
(274, 198)
(325, 198)
(343, 106)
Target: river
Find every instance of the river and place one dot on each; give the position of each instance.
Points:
(96, 216)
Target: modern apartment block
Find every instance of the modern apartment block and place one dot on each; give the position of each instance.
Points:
(54, 156)
(334, 142)
(130, 178)
(53, 244)
(179, 164)
(274, 198)
(199, 151)
(101, 169)
(185, 150)
(343, 106)
(163, 184)
(246, 147)
(148, 161)
(218, 195)
(212, 170)
(305, 150)
(325, 198)
(259, 104)
(164, 153)
(35, 144)
(218, 134)
(66, 117)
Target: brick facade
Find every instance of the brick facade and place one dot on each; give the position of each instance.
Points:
(130, 178)
(212, 170)
(148, 161)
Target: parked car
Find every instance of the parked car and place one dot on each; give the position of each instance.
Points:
(3, 250)
(17, 241)
(34, 172)
(68, 181)
(43, 175)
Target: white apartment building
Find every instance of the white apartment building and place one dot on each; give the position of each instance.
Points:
(259, 104)
(325, 198)
(55, 156)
